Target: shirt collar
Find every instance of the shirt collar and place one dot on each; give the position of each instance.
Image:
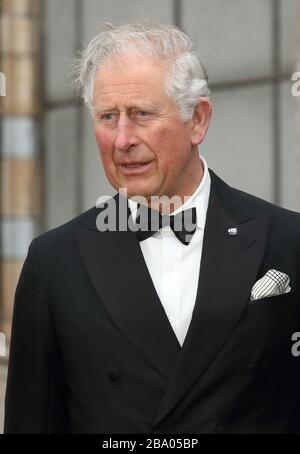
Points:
(198, 199)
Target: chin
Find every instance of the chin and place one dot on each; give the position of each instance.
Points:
(137, 189)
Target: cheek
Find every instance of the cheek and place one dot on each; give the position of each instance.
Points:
(105, 145)
(160, 135)
(159, 143)
(104, 141)
(168, 146)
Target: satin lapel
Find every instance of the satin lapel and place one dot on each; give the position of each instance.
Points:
(229, 266)
(116, 269)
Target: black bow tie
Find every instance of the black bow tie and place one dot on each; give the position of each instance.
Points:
(150, 221)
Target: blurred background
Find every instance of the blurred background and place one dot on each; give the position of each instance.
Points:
(50, 169)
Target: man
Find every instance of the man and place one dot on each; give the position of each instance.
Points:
(170, 330)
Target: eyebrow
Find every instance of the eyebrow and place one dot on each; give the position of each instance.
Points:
(103, 109)
(142, 106)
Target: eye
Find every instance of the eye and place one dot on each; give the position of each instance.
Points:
(143, 115)
(107, 117)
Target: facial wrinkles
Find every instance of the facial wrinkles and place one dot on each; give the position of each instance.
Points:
(129, 91)
(119, 95)
(161, 137)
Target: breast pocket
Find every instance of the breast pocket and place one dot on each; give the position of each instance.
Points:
(267, 326)
(270, 304)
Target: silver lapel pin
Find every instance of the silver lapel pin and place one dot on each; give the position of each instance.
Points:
(233, 231)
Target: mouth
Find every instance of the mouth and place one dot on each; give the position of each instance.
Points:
(135, 168)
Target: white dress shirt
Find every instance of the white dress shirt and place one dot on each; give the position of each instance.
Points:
(173, 266)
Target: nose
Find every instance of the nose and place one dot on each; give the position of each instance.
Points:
(125, 137)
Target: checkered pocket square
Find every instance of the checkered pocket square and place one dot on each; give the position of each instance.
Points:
(271, 284)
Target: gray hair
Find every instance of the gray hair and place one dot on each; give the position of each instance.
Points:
(186, 79)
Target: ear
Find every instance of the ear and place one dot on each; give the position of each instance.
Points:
(200, 121)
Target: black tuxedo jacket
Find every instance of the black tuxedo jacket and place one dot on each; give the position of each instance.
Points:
(92, 350)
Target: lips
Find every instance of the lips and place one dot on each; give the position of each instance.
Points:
(133, 164)
(134, 168)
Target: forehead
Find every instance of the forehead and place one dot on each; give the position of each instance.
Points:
(130, 77)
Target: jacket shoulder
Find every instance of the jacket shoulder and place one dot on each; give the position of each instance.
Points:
(265, 206)
(242, 206)
(283, 218)
(64, 232)
(284, 223)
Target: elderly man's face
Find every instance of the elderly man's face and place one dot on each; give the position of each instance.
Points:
(144, 145)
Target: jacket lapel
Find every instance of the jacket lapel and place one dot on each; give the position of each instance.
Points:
(116, 268)
(229, 267)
